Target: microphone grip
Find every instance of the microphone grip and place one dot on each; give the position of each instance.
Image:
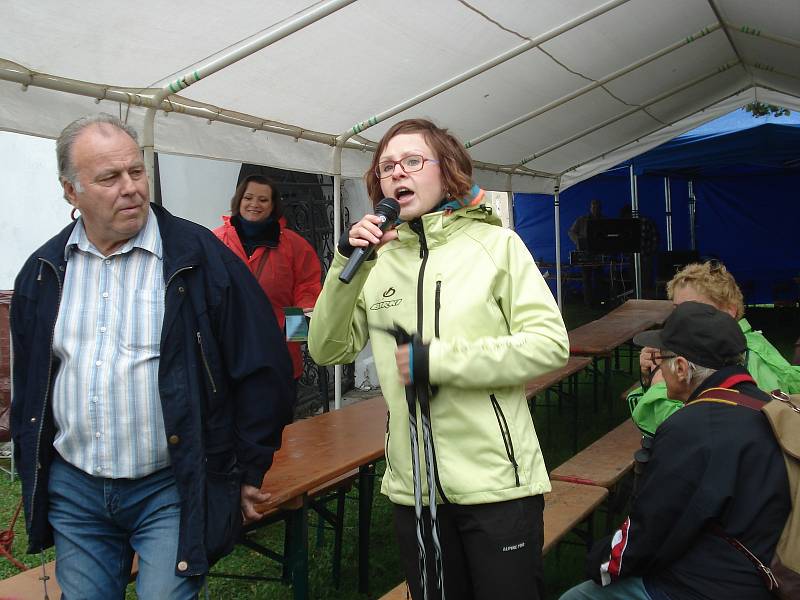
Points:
(388, 210)
(361, 254)
(358, 256)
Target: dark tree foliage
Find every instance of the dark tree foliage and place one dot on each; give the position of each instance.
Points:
(761, 109)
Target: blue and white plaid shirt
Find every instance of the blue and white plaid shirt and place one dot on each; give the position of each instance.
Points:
(106, 402)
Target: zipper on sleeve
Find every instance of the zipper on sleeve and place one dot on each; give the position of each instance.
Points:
(205, 363)
(504, 431)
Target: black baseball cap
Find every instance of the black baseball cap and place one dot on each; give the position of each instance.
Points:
(701, 334)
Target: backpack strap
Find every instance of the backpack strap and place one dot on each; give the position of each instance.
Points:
(766, 573)
(727, 396)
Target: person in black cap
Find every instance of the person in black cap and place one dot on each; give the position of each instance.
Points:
(715, 470)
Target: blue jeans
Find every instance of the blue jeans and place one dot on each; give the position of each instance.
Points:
(99, 523)
(628, 588)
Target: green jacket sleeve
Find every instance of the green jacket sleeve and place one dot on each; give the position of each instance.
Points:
(536, 343)
(338, 330)
(651, 407)
(768, 367)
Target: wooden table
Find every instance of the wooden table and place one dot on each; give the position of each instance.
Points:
(568, 373)
(601, 337)
(315, 451)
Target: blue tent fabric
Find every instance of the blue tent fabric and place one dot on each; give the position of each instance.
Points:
(747, 189)
(767, 148)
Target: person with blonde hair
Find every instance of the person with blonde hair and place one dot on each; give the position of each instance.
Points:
(710, 283)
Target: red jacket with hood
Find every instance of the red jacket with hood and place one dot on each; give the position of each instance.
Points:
(289, 274)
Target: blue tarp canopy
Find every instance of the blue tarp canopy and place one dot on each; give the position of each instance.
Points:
(746, 183)
(767, 149)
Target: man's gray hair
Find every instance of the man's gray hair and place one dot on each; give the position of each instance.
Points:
(65, 141)
(700, 374)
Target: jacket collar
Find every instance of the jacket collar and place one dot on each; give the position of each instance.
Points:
(442, 224)
(180, 246)
(716, 378)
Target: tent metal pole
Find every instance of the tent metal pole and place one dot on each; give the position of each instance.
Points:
(557, 220)
(692, 213)
(668, 212)
(512, 221)
(593, 86)
(637, 257)
(337, 233)
(242, 50)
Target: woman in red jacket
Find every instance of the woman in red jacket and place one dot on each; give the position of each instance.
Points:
(285, 265)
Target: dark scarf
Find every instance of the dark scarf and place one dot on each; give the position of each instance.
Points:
(257, 234)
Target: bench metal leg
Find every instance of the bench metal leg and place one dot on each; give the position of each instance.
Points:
(297, 530)
(366, 484)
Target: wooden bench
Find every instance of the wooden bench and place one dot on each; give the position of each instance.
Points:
(28, 585)
(604, 462)
(565, 507)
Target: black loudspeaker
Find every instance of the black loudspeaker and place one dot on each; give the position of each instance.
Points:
(673, 261)
(610, 236)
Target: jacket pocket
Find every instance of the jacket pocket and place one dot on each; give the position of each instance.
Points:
(506, 434)
(206, 364)
(388, 437)
(223, 512)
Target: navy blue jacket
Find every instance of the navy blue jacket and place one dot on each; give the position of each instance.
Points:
(711, 463)
(224, 380)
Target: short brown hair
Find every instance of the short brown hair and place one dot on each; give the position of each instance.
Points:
(454, 162)
(277, 204)
(712, 280)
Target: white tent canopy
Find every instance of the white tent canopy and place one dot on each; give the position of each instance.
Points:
(545, 93)
(541, 91)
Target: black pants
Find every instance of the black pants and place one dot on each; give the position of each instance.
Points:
(490, 551)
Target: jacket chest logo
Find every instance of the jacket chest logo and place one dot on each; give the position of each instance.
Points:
(385, 304)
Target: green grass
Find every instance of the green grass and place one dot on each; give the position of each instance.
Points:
(563, 567)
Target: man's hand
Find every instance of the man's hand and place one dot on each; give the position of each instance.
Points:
(251, 496)
(649, 365)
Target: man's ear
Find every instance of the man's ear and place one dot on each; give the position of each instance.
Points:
(682, 369)
(70, 194)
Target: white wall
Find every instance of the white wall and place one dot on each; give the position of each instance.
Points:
(31, 202)
(198, 189)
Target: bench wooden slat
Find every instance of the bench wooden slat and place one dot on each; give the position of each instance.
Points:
(27, 585)
(541, 383)
(565, 507)
(605, 461)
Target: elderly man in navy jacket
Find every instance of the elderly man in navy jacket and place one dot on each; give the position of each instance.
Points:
(151, 382)
(716, 473)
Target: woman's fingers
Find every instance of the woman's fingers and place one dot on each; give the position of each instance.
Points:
(368, 232)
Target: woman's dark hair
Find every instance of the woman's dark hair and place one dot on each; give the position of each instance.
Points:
(277, 204)
(454, 162)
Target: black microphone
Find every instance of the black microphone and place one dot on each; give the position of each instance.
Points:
(387, 209)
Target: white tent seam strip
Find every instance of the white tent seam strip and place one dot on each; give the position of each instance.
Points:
(653, 131)
(586, 89)
(721, 69)
(738, 54)
(476, 70)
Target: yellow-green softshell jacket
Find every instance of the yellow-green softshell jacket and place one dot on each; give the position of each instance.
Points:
(492, 324)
